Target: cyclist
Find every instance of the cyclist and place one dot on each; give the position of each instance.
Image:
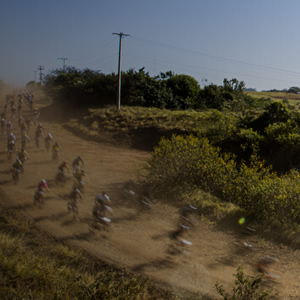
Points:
(60, 176)
(264, 264)
(103, 204)
(9, 127)
(48, 140)
(23, 156)
(3, 124)
(39, 131)
(11, 137)
(25, 139)
(63, 166)
(73, 200)
(42, 185)
(186, 211)
(78, 162)
(39, 191)
(18, 166)
(11, 146)
(55, 149)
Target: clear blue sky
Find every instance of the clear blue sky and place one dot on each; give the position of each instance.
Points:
(256, 41)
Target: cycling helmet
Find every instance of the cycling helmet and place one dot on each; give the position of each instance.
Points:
(44, 181)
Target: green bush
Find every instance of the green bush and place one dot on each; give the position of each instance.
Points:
(185, 162)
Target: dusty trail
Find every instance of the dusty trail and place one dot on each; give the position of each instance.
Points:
(139, 242)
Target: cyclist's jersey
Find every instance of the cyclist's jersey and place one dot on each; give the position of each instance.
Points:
(55, 148)
(41, 186)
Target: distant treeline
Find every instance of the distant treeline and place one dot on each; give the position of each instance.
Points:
(166, 90)
(291, 90)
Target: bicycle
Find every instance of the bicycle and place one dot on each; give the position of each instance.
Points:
(55, 156)
(73, 207)
(15, 175)
(99, 219)
(38, 198)
(73, 202)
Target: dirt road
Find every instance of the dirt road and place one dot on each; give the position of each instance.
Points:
(138, 241)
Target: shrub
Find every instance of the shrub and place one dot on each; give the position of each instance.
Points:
(246, 288)
(182, 163)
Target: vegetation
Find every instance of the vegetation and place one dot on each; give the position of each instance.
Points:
(167, 90)
(246, 288)
(185, 163)
(35, 266)
(241, 148)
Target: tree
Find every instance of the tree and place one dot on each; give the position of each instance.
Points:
(211, 97)
(294, 90)
(184, 88)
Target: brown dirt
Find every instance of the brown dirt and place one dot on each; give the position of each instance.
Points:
(137, 241)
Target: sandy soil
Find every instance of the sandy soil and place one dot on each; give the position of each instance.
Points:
(138, 241)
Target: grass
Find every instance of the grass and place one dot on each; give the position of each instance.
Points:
(293, 99)
(35, 266)
(132, 125)
(140, 117)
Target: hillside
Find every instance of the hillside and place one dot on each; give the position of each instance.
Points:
(138, 242)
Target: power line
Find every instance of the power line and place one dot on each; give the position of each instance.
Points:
(218, 57)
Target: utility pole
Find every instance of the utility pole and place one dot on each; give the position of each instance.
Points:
(121, 34)
(64, 64)
(41, 68)
(34, 75)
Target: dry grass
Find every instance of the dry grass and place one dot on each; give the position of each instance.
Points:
(35, 266)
